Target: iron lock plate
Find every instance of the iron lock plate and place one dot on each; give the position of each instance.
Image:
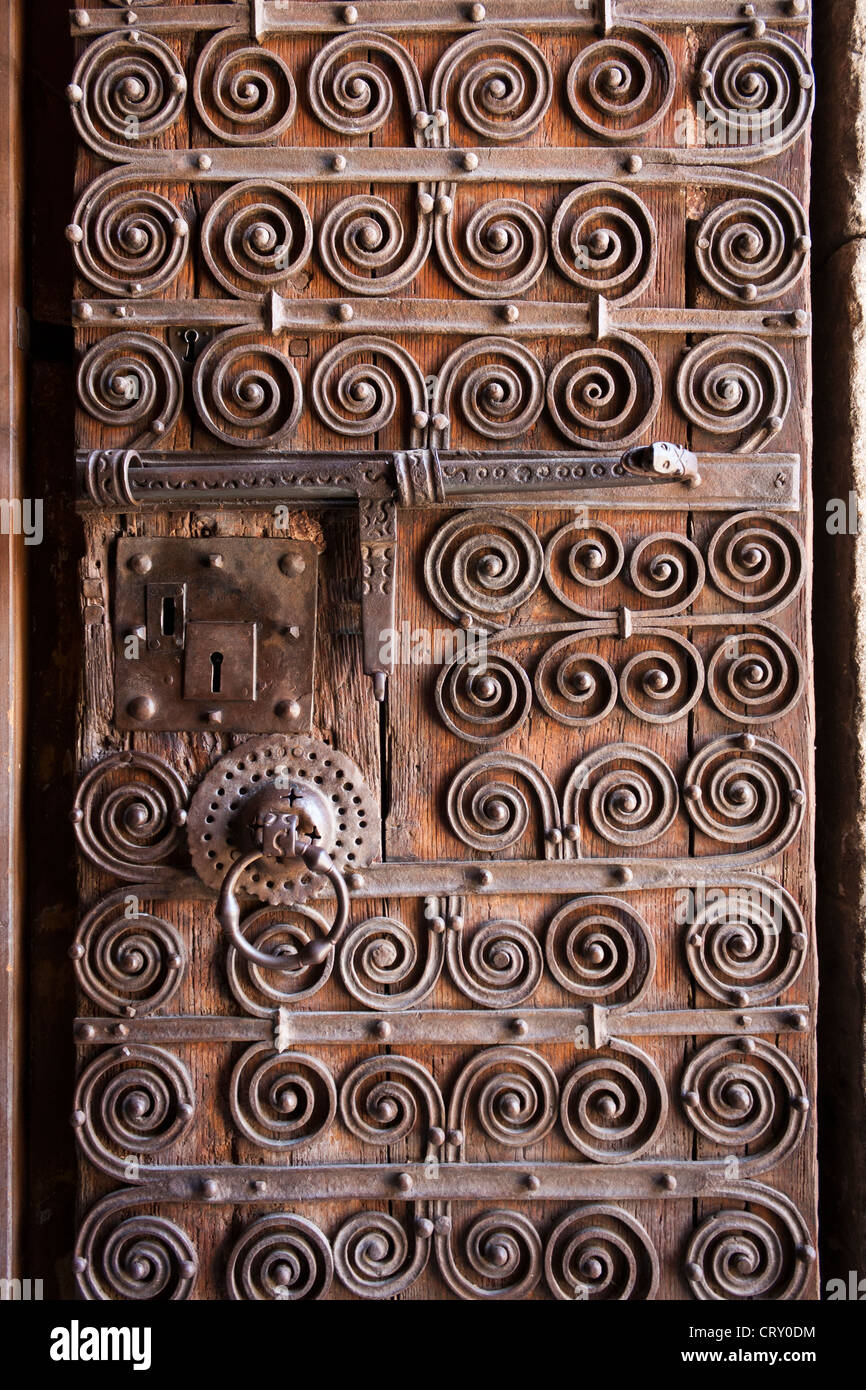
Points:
(217, 632)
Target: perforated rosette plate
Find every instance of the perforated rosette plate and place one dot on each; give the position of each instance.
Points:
(217, 813)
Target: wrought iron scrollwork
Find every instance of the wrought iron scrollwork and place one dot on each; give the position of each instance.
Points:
(626, 641)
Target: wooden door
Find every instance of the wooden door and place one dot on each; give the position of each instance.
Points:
(445, 803)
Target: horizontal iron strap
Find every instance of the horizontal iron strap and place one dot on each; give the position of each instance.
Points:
(314, 17)
(461, 317)
(636, 166)
(432, 1181)
(729, 482)
(446, 1027)
(523, 877)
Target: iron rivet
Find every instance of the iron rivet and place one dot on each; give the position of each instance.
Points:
(740, 997)
(292, 563)
(215, 561)
(803, 243)
(382, 1029)
(187, 1268)
(84, 311)
(74, 93)
(798, 1021)
(470, 161)
(440, 116)
(694, 1272)
(519, 1026)
(798, 941)
(424, 1226)
(692, 791)
(634, 164)
(555, 836)
(798, 796)
(744, 1020)
(141, 563)
(288, 709)
(181, 228)
(485, 878)
(175, 961)
(757, 28)
(531, 1182)
(131, 17)
(350, 15)
(436, 1137)
(748, 12)
(259, 1185)
(403, 1182)
(178, 816)
(355, 882)
(76, 815)
(690, 1098)
(143, 708)
(511, 313)
(442, 1225)
(572, 832)
(345, 312)
(747, 741)
(212, 716)
(420, 419)
(799, 317)
(440, 422)
(477, 13)
(696, 939)
(774, 423)
(79, 1264)
(185, 1110)
(421, 120)
(426, 202)
(668, 1182)
(76, 951)
(455, 1138)
(806, 1252)
(796, 6)
(209, 1187)
(125, 1052)
(158, 427)
(86, 1032)
(444, 205)
(74, 233)
(121, 1030)
(747, 1045)
(121, 311)
(204, 162)
(78, 1118)
(82, 18)
(338, 163)
(749, 292)
(800, 1102)
(623, 874)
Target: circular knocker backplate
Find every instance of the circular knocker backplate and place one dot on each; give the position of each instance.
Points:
(221, 799)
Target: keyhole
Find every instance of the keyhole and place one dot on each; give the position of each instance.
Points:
(190, 337)
(216, 661)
